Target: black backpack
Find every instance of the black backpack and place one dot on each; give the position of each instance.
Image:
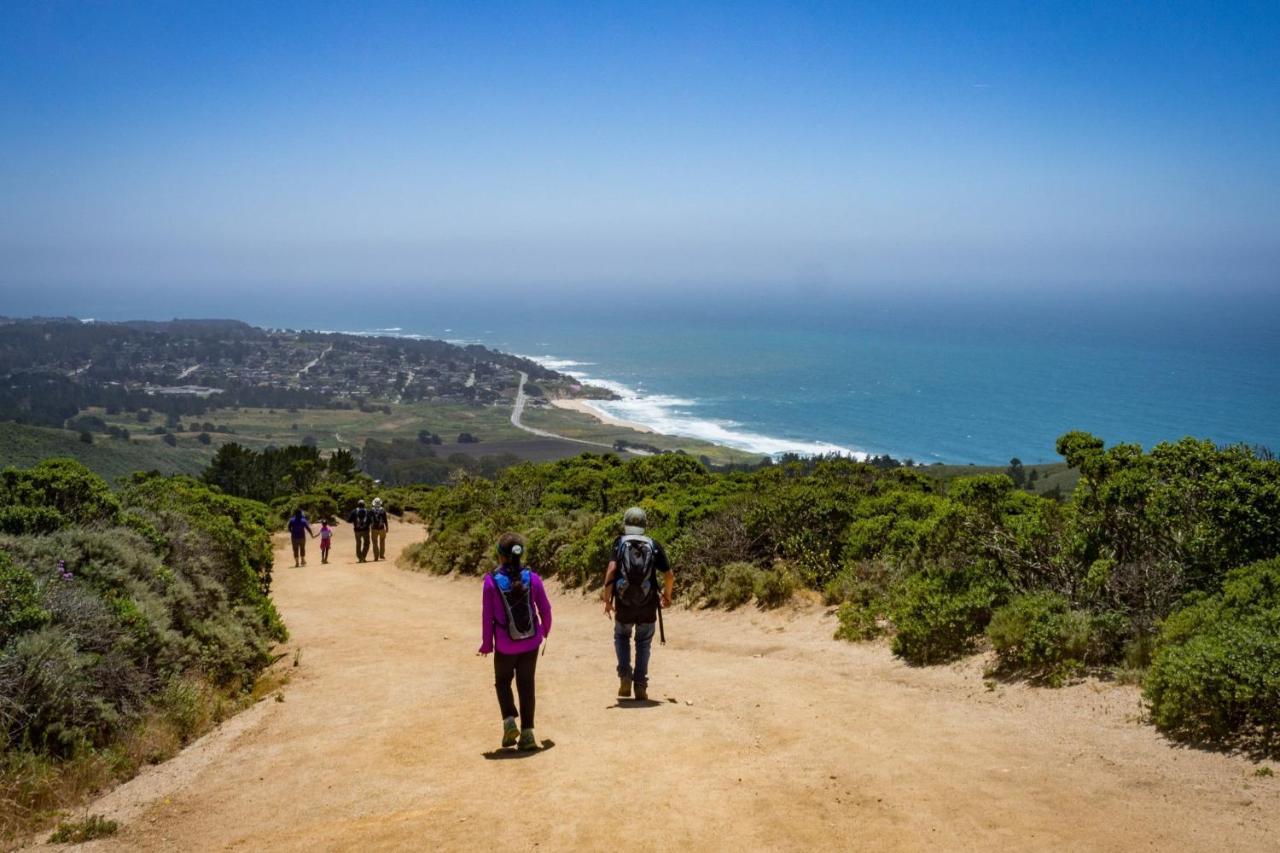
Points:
(361, 519)
(517, 600)
(636, 582)
(379, 519)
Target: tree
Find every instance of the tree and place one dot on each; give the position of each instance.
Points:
(467, 438)
(204, 438)
(86, 437)
(170, 439)
(1016, 473)
(342, 465)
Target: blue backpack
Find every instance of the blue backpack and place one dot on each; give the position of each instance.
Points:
(517, 601)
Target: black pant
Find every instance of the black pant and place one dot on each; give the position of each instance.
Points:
(522, 667)
(362, 544)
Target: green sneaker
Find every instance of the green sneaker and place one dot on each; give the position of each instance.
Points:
(527, 740)
(509, 732)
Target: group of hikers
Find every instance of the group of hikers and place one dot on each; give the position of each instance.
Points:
(516, 620)
(368, 523)
(516, 613)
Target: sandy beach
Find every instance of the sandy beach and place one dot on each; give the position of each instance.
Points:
(585, 407)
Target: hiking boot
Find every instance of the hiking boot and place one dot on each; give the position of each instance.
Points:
(624, 688)
(642, 692)
(527, 740)
(509, 732)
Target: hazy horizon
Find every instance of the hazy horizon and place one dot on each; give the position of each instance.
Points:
(760, 149)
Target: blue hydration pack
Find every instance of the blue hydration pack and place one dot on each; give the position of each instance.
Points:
(517, 601)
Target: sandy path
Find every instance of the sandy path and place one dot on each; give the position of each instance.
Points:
(778, 738)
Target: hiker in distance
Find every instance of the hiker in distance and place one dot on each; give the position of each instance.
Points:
(298, 531)
(360, 519)
(378, 525)
(632, 592)
(515, 619)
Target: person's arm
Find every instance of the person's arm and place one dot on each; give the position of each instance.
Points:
(663, 567)
(606, 592)
(309, 530)
(486, 618)
(543, 604)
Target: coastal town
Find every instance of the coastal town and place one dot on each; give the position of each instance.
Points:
(97, 363)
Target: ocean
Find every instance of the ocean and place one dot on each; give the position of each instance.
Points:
(960, 379)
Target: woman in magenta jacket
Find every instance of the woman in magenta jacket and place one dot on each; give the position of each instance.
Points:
(515, 619)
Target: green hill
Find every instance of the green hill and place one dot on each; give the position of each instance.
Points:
(23, 446)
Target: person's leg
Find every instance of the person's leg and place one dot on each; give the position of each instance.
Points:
(644, 639)
(297, 550)
(622, 647)
(379, 544)
(302, 550)
(526, 666)
(362, 544)
(504, 668)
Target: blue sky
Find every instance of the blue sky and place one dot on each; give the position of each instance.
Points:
(946, 146)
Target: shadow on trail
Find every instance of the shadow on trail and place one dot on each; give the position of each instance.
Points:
(635, 703)
(510, 754)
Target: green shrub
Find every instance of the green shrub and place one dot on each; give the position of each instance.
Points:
(87, 829)
(938, 614)
(1040, 635)
(859, 620)
(20, 608)
(774, 586)
(57, 486)
(737, 585)
(1215, 676)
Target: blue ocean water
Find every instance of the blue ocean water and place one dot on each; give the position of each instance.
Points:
(968, 378)
(960, 382)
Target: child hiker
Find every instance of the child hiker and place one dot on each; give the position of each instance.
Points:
(515, 619)
(326, 537)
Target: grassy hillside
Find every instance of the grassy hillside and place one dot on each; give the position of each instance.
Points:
(1043, 479)
(23, 446)
(334, 429)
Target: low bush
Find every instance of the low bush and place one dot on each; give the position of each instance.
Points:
(939, 613)
(737, 585)
(1039, 635)
(774, 586)
(860, 620)
(20, 608)
(1215, 675)
(862, 591)
(86, 829)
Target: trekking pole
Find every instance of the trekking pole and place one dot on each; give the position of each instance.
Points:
(662, 632)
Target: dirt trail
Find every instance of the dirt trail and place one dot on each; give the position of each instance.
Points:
(778, 738)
